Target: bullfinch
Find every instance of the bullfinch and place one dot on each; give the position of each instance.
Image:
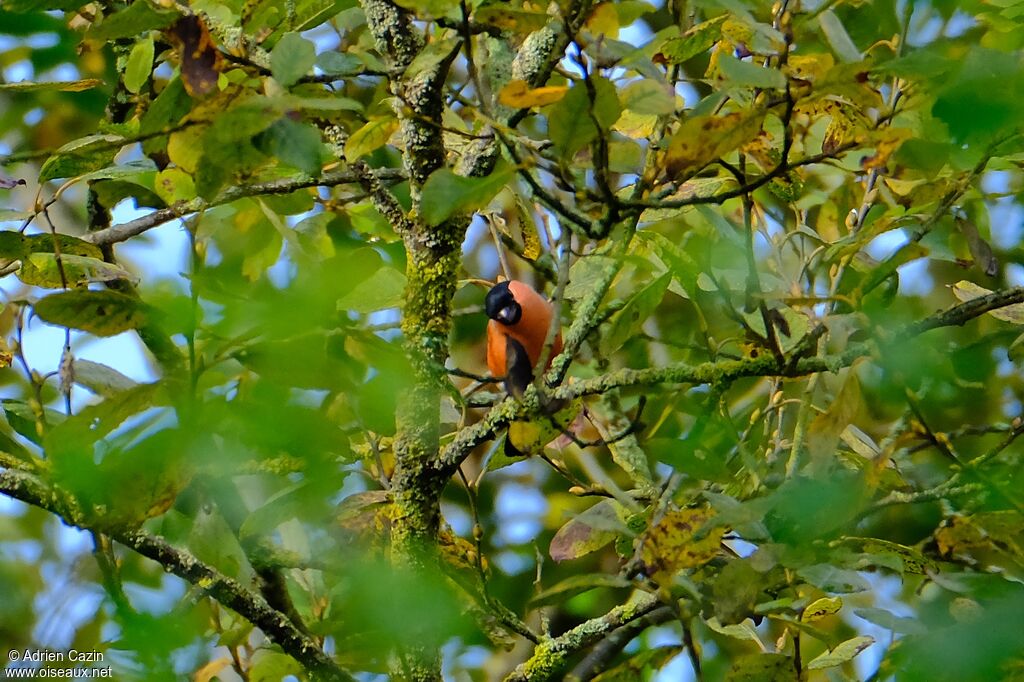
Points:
(520, 319)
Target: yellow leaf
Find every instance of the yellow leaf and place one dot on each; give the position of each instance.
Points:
(374, 135)
(531, 240)
(604, 20)
(184, 148)
(210, 670)
(886, 142)
(841, 130)
(519, 94)
(702, 139)
(826, 606)
(965, 291)
(680, 540)
(810, 67)
(737, 31)
(634, 125)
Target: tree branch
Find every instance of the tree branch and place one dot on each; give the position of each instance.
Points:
(721, 372)
(551, 655)
(229, 592)
(133, 228)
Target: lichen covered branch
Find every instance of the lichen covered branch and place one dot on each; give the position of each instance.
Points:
(225, 590)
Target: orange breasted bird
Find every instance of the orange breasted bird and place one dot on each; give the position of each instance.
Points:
(520, 319)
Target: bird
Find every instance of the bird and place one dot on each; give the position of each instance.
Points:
(519, 322)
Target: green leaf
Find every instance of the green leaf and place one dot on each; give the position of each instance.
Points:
(577, 584)
(749, 75)
(103, 313)
(338, 63)
(586, 273)
(432, 8)
(374, 134)
(385, 288)
(14, 245)
(279, 508)
(430, 57)
(329, 102)
(131, 171)
(982, 100)
(832, 579)
(139, 65)
(820, 608)
(571, 121)
(174, 185)
(841, 654)
(762, 668)
(89, 153)
(79, 433)
(636, 666)
(59, 86)
(688, 457)
(133, 20)
(589, 531)
(446, 194)
(100, 379)
(695, 41)
(271, 666)
(838, 39)
(626, 323)
(22, 418)
(44, 270)
(743, 631)
(292, 58)
(294, 144)
(886, 619)
(649, 96)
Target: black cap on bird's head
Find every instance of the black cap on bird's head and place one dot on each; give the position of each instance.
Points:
(501, 305)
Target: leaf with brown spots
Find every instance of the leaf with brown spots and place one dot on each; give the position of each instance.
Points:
(201, 61)
(681, 540)
(886, 142)
(702, 139)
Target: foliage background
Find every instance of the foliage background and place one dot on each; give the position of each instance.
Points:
(749, 216)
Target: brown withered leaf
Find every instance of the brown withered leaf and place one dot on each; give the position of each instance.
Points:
(201, 61)
(982, 253)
